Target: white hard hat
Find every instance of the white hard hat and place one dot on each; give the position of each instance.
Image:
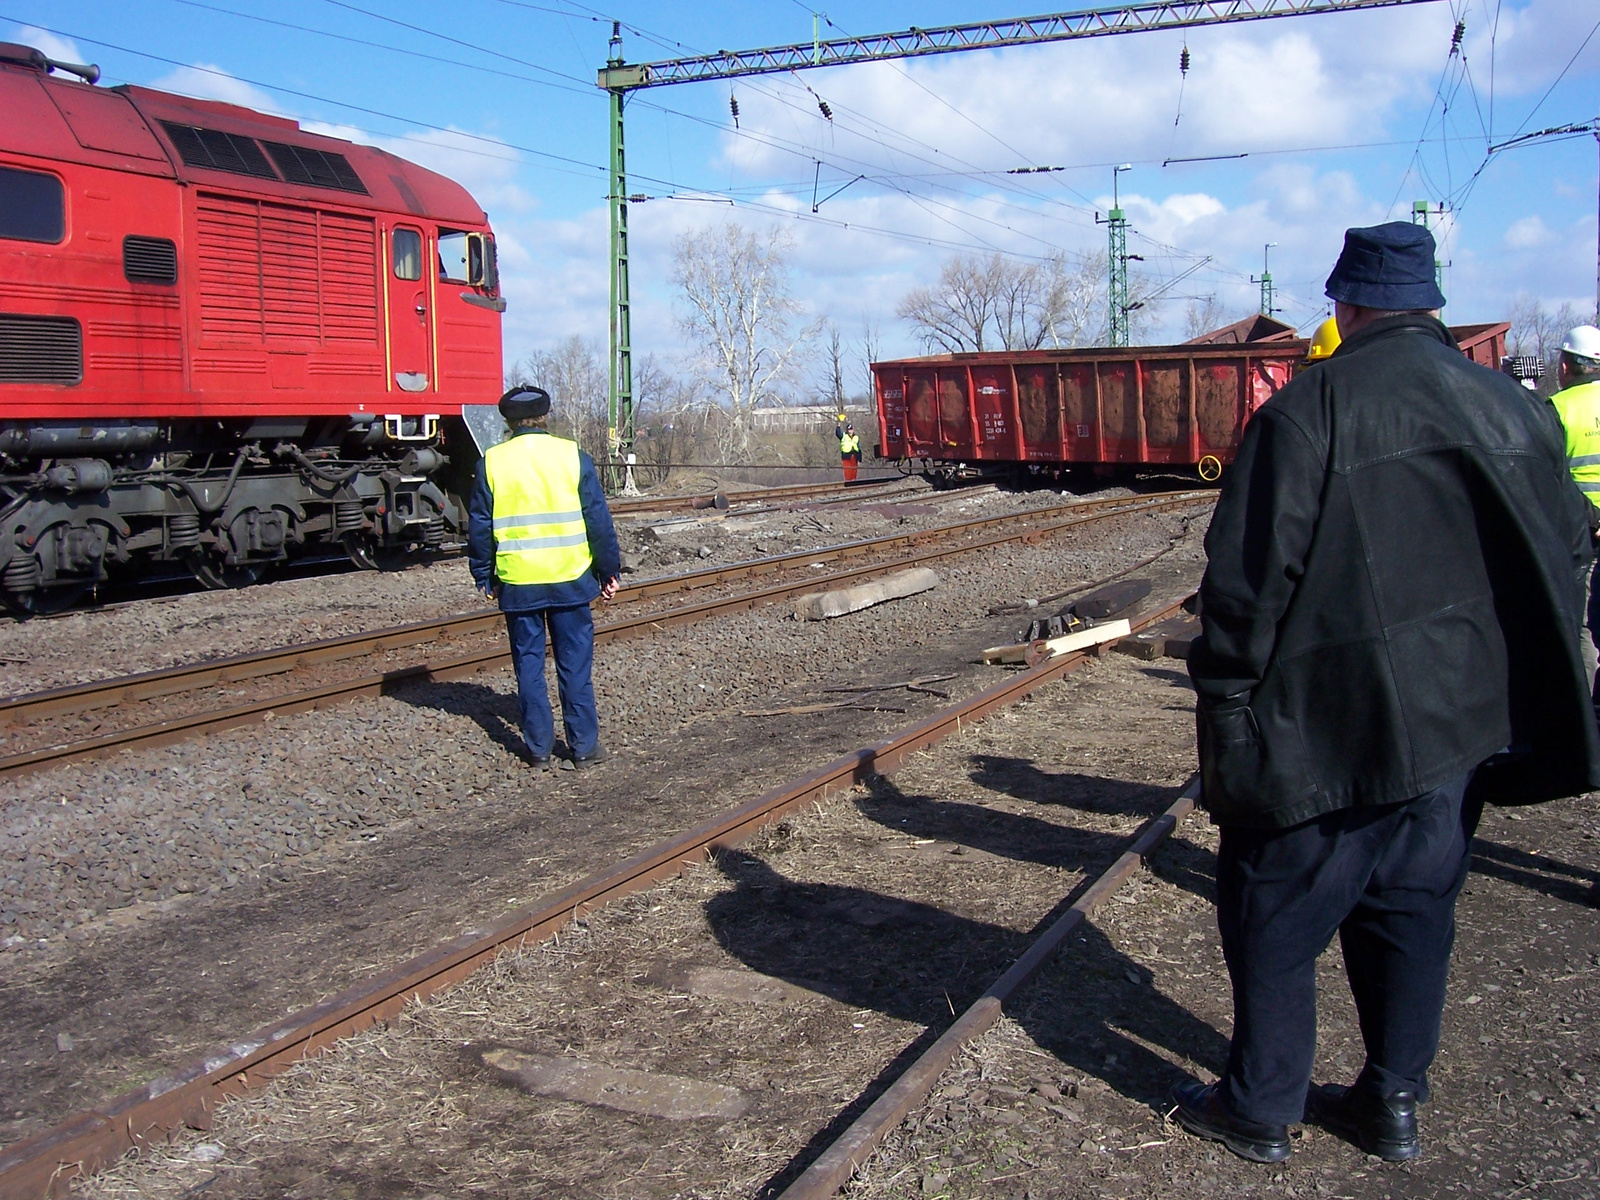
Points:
(1583, 342)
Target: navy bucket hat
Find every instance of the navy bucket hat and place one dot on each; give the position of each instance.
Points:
(1387, 267)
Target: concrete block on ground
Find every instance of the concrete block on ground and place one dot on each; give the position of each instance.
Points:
(819, 606)
(673, 1097)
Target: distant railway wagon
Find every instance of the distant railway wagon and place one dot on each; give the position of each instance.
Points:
(1182, 406)
(224, 340)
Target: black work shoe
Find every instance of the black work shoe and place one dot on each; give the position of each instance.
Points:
(596, 756)
(1201, 1111)
(541, 764)
(1385, 1127)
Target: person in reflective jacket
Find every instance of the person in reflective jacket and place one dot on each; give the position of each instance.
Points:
(1391, 619)
(541, 542)
(1578, 406)
(849, 449)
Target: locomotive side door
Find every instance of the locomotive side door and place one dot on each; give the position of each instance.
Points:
(407, 320)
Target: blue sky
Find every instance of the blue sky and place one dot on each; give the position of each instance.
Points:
(1343, 119)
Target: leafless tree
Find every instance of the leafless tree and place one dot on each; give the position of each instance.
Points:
(1203, 315)
(741, 313)
(574, 374)
(1537, 330)
(833, 368)
(871, 348)
(998, 303)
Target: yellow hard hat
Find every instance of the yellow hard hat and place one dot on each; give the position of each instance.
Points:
(1324, 341)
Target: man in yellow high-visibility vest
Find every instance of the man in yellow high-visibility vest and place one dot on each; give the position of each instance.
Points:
(540, 540)
(1578, 406)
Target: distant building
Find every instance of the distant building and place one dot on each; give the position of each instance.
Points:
(803, 418)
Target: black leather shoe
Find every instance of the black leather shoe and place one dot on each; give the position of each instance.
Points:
(596, 756)
(1385, 1127)
(1201, 1111)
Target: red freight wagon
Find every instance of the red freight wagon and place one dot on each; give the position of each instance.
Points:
(1179, 406)
(223, 339)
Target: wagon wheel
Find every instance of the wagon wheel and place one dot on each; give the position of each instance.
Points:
(219, 577)
(367, 554)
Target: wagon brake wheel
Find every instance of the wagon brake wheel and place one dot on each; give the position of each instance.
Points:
(1210, 468)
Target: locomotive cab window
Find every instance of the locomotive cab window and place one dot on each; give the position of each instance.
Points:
(468, 258)
(33, 207)
(452, 256)
(407, 254)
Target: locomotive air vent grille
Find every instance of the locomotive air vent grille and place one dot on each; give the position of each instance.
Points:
(318, 168)
(149, 260)
(220, 151)
(40, 349)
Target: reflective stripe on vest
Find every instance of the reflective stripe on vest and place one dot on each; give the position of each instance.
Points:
(539, 535)
(1579, 410)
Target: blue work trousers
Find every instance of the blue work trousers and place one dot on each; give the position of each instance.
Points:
(572, 639)
(1386, 880)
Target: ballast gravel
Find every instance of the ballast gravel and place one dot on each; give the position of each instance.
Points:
(149, 635)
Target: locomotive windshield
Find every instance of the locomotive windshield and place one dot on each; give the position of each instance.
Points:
(32, 206)
(452, 256)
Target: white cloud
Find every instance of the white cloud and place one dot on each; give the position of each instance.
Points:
(53, 45)
(207, 81)
(1529, 233)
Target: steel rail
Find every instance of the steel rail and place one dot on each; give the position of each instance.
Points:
(834, 1168)
(179, 729)
(47, 1165)
(104, 693)
(797, 491)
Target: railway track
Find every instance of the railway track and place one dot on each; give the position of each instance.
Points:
(799, 491)
(49, 1164)
(477, 640)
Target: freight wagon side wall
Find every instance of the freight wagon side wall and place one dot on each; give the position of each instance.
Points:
(1171, 407)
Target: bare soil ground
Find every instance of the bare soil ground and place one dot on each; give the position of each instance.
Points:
(805, 970)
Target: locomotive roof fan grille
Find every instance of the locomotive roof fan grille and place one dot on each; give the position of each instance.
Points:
(149, 259)
(317, 168)
(219, 151)
(40, 349)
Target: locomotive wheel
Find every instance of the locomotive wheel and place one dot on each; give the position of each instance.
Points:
(367, 554)
(221, 578)
(44, 602)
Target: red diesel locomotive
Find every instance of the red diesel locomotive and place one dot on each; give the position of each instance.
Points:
(223, 340)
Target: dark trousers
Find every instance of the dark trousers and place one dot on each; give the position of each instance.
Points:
(1593, 622)
(572, 639)
(1386, 880)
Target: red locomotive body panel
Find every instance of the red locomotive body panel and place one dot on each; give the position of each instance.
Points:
(288, 298)
(1142, 406)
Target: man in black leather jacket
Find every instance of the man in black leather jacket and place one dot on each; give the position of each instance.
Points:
(1391, 622)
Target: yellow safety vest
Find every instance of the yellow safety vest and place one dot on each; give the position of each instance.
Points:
(539, 535)
(1579, 410)
(850, 444)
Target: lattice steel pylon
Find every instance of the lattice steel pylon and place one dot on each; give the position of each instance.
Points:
(619, 78)
(1117, 307)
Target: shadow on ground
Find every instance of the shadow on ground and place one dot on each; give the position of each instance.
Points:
(920, 963)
